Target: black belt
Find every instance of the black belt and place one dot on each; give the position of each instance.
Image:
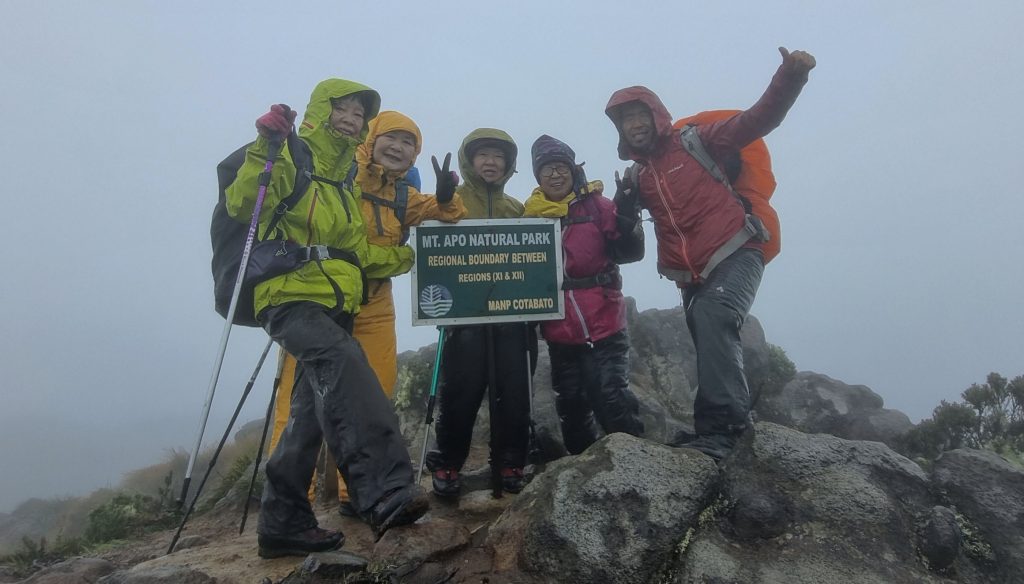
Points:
(606, 279)
(322, 252)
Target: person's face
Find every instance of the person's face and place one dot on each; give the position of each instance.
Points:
(555, 180)
(347, 115)
(395, 151)
(489, 162)
(637, 126)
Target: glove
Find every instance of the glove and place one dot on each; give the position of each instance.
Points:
(447, 180)
(626, 202)
(277, 123)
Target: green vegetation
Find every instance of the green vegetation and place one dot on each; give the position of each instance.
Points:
(120, 517)
(990, 416)
(90, 524)
(413, 383)
(34, 554)
(781, 371)
(235, 473)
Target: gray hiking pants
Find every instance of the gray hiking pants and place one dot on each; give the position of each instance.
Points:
(715, 311)
(336, 397)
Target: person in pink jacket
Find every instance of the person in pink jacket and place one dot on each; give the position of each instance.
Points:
(589, 348)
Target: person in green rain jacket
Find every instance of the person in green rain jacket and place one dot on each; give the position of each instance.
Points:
(310, 312)
(481, 358)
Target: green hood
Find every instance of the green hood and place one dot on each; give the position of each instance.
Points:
(329, 146)
(482, 200)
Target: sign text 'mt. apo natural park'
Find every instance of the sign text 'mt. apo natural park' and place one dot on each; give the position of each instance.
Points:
(486, 271)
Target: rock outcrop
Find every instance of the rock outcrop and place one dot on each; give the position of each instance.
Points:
(663, 374)
(786, 507)
(816, 403)
(611, 514)
(812, 494)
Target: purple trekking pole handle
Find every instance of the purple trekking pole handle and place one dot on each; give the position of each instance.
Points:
(272, 151)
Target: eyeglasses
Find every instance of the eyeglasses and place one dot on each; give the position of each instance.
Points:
(550, 171)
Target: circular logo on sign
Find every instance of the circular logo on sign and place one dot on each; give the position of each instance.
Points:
(435, 300)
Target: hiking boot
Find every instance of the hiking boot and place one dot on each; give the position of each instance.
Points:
(446, 483)
(681, 438)
(717, 446)
(302, 543)
(401, 506)
(512, 479)
(347, 509)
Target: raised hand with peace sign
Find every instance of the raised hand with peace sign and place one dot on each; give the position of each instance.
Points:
(447, 179)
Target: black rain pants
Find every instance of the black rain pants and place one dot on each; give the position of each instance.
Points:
(466, 374)
(591, 384)
(336, 397)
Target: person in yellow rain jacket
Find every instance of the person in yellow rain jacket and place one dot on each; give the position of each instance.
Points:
(389, 207)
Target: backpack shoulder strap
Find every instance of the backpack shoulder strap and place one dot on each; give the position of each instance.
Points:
(401, 199)
(302, 157)
(690, 140)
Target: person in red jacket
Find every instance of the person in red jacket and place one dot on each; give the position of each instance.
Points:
(709, 240)
(589, 348)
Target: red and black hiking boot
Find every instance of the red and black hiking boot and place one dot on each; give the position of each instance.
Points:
(302, 543)
(512, 479)
(446, 483)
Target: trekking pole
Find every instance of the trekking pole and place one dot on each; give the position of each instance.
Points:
(492, 400)
(430, 402)
(273, 150)
(216, 453)
(263, 438)
(531, 448)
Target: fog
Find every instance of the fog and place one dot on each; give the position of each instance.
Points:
(899, 184)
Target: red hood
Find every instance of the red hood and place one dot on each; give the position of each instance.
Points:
(662, 119)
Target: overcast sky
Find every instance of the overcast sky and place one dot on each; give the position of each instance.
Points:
(898, 170)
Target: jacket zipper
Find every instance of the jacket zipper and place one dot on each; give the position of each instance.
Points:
(571, 294)
(309, 217)
(671, 218)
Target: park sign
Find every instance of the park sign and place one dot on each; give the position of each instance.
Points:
(481, 271)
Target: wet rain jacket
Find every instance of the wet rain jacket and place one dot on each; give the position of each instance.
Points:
(324, 216)
(694, 215)
(375, 324)
(589, 238)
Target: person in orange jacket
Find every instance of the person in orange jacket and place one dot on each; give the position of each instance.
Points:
(389, 207)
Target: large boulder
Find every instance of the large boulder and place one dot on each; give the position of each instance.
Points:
(613, 514)
(817, 404)
(988, 493)
(811, 508)
(73, 571)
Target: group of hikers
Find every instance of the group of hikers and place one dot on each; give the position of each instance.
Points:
(333, 313)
